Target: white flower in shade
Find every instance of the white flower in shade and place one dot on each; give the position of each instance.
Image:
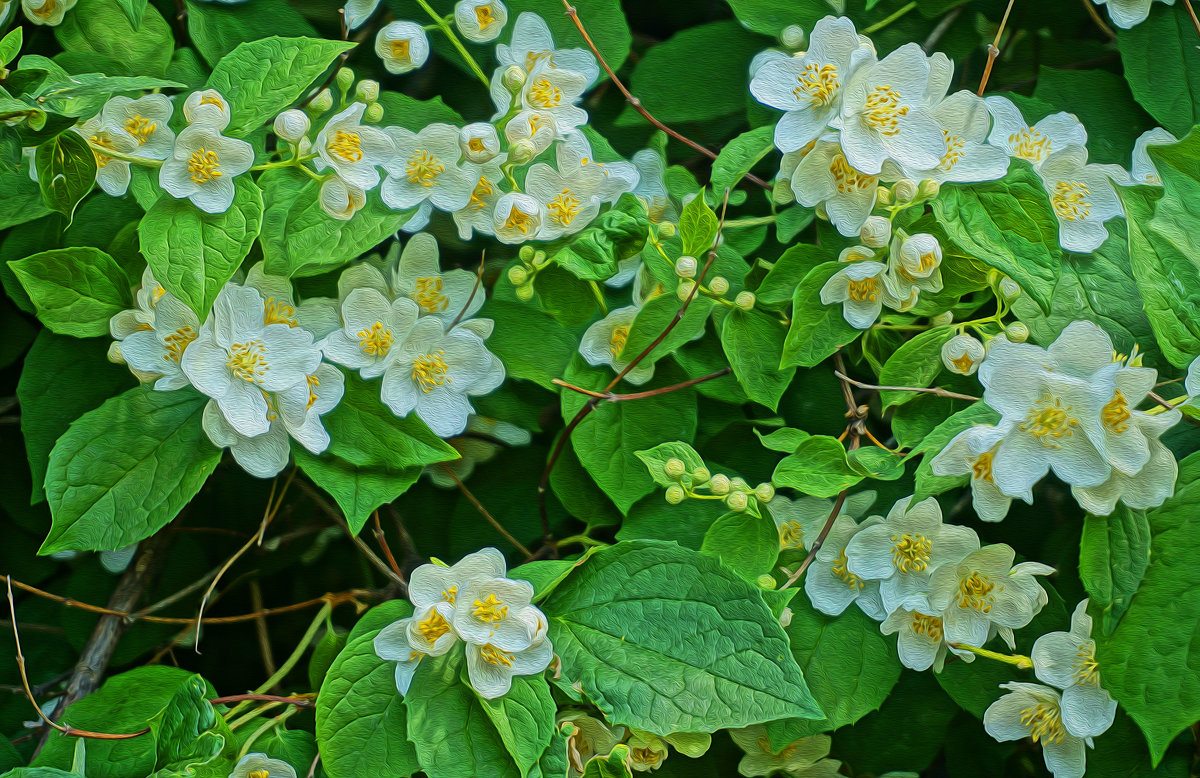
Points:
(651, 188)
(481, 441)
(373, 328)
(604, 343)
(616, 178)
(533, 44)
(1033, 710)
(861, 290)
(555, 92)
(352, 149)
(479, 143)
(340, 200)
(825, 177)
(47, 12)
(261, 766)
(1127, 13)
(810, 87)
(517, 217)
(480, 21)
(203, 165)
(433, 373)
(983, 589)
(207, 107)
(883, 115)
(445, 295)
(529, 133)
(294, 412)
(1149, 488)
(968, 157)
(828, 582)
(237, 359)
(920, 640)
(1068, 660)
(141, 317)
(906, 549)
(491, 668)
(592, 737)
(358, 11)
(1035, 143)
(425, 167)
(160, 350)
(476, 215)
(112, 175)
(145, 119)
(1143, 170)
(875, 234)
(1082, 196)
(963, 354)
(915, 263)
(494, 610)
(803, 758)
(403, 47)
(799, 521)
(569, 196)
(971, 453)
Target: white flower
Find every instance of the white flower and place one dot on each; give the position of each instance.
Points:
(517, 217)
(445, 295)
(984, 588)
(1068, 660)
(1082, 196)
(828, 582)
(1143, 170)
(875, 233)
(476, 215)
(1127, 13)
(906, 549)
(971, 452)
(604, 343)
(825, 177)
(207, 107)
(1150, 486)
(861, 290)
(479, 143)
(915, 263)
(203, 165)
(480, 21)
(592, 737)
(403, 47)
(800, 521)
(358, 11)
(920, 640)
(340, 200)
(529, 133)
(504, 632)
(373, 328)
(963, 354)
(803, 758)
(651, 188)
(352, 149)
(616, 178)
(810, 87)
(570, 197)
(159, 350)
(141, 317)
(532, 44)
(425, 167)
(883, 114)
(967, 157)
(259, 765)
(554, 91)
(112, 175)
(1033, 710)
(491, 668)
(145, 119)
(48, 12)
(237, 359)
(1036, 143)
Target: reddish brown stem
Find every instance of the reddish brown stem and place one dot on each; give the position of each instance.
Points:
(994, 50)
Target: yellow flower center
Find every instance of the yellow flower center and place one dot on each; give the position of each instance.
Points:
(176, 342)
(429, 371)
(534, 57)
(791, 535)
(346, 145)
(1069, 200)
(1115, 413)
(518, 220)
(929, 626)
(212, 100)
(544, 94)
(975, 593)
(204, 166)
(840, 570)
(377, 340)
(962, 363)
(1087, 670)
(46, 11)
(864, 290)
(450, 595)
(645, 756)
(911, 553)
(884, 110)
(248, 361)
(476, 145)
(428, 294)
(495, 656)
(400, 49)
(954, 151)
(1030, 145)
(483, 15)
(564, 208)
(433, 627)
(102, 160)
(616, 342)
(981, 466)
(1044, 723)
(482, 189)
(1049, 421)
(313, 382)
(848, 179)
(140, 128)
(490, 610)
(818, 83)
(423, 168)
(278, 312)
(259, 774)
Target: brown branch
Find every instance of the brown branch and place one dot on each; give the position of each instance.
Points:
(484, 511)
(381, 539)
(1192, 14)
(637, 104)
(994, 50)
(299, 702)
(612, 397)
(936, 391)
(260, 629)
(1092, 12)
(474, 289)
(366, 551)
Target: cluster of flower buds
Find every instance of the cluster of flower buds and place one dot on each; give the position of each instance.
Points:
(734, 492)
(522, 275)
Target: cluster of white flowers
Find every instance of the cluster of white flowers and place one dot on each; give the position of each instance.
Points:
(1070, 408)
(260, 357)
(503, 633)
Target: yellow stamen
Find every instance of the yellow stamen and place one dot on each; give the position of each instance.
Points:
(482, 189)
(423, 168)
(864, 290)
(313, 383)
(428, 294)
(518, 220)
(954, 151)
(177, 341)
(1044, 722)
(248, 361)
(140, 128)
(848, 179)
(476, 145)
(616, 342)
(963, 363)
(204, 166)
(483, 15)
(1048, 421)
(791, 535)
(911, 553)
(1115, 414)
(843, 572)
(818, 83)
(981, 466)
(346, 145)
(102, 160)
(278, 312)
(433, 627)
(400, 49)
(491, 609)
(376, 341)
(495, 656)
(883, 110)
(564, 208)
(544, 94)
(429, 371)
(975, 593)
(1030, 145)
(450, 595)
(929, 626)
(1087, 669)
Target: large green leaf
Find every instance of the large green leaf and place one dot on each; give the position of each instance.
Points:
(739, 155)
(102, 27)
(753, 342)
(188, 732)
(1165, 84)
(916, 363)
(216, 29)
(817, 467)
(531, 345)
(357, 489)
(817, 330)
(75, 291)
(769, 17)
(666, 640)
(745, 543)
(20, 198)
(124, 470)
(1102, 101)
(66, 168)
(1113, 555)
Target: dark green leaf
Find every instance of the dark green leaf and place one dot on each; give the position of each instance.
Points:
(76, 291)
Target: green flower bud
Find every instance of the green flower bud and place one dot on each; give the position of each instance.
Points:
(942, 319)
(737, 501)
(321, 103)
(1009, 289)
(1017, 332)
(513, 78)
(737, 483)
(929, 189)
(701, 475)
(667, 230)
(719, 285)
(685, 288)
(518, 275)
(367, 91)
(374, 112)
(792, 36)
(674, 468)
(719, 484)
(745, 300)
(905, 190)
(345, 78)
(764, 492)
(526, 254)
(525, 293)
(675, 494)
(540, 259)
(685, 267)
(883, 196)
(766, 581)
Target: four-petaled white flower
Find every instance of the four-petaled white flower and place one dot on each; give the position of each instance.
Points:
(373, 327)
(828, 582)
(1143, 170)
(532, 44)
(1035, 143)
(202, 167)
(476, 215)
(802, 758)
(1033, 710)
(517, 217)
(352, 149)
(1082, 196)
(920, 639)
(145, 119)
(968, 157)
(403, 47)
(425, 167)
(480, 21)
(971, 452)
(862, 290)
(824, 176)
(446, 295)
(112, 174)
(47, 12)
(570, 196)
(1068, 660)
(159, 350)
(604, 344)
(963, 354)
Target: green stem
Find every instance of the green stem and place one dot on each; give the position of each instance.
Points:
(877, 26)
(293, 162)
(751, 222)
(291, 661)
(466, 55)
(599, 293)
(1022, 662)
(107, 152)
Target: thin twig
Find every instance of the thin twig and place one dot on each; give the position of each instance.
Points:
(299, 702)
(260, 628)
(1192, 14)
(612, 397)
(474, 289)
(942, 26)
(994, 50)
(312, 769)
(1092, 12)
(366, 551)
(381, 539)
(936, 391)
(482, 510)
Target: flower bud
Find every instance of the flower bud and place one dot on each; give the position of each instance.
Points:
(737, 501)
(526, 254)
(875, 232)
(525, 293)
(745, 300)
(685, 267)
(764, 492)
(928, 189)
(674, 468)
(919, 255)
(685, 288)
(737, 483)
(292, 125)
(513, 78)
(792, 36)
(521, 151)
(675, 494)
(719, 484)
(1009, 289)
(855, 254)
(701, 475)
(785, 618)
(367, 91)
(518, 275)
(719, 285)
(1017, 332)
(345, 78)
(942, 319)
(539, 258)
(479, 142)
(321, 103)
(374, 112)
(905, 190)
(962, 354)
(883, 196)
(667, 230)
(765, 581)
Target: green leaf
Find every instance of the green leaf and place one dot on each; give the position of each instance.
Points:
(76, 291)
(133, 10)
(102, 27)
(324, 652)
(753, 342)
(652, 320)
(66, 170)
(1146, 662)
(1113, 555)
(362, 724)
(10, 45)
(850, 665)
(124, 470)
(769, 17)
(916, 363)
(531, 345)
(61, 380)
(655, 459)
(818, 467)
(357, 489)
(1103, 103)
(785, 440)
(817, 330)
(263, 77)
(613, 765)
(1165, 84)
(618, 234)
(912, 722)
(697, 227)
(413, 114)
(926, 482)
(216, 29)
(666, 640)
(193, 254)
(184, 730)
(746, 544)
(20, 197)
(789, 270)
(875, 462)
(1007, 224)
(739, 155)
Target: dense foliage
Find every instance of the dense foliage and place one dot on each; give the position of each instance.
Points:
(861, 444)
